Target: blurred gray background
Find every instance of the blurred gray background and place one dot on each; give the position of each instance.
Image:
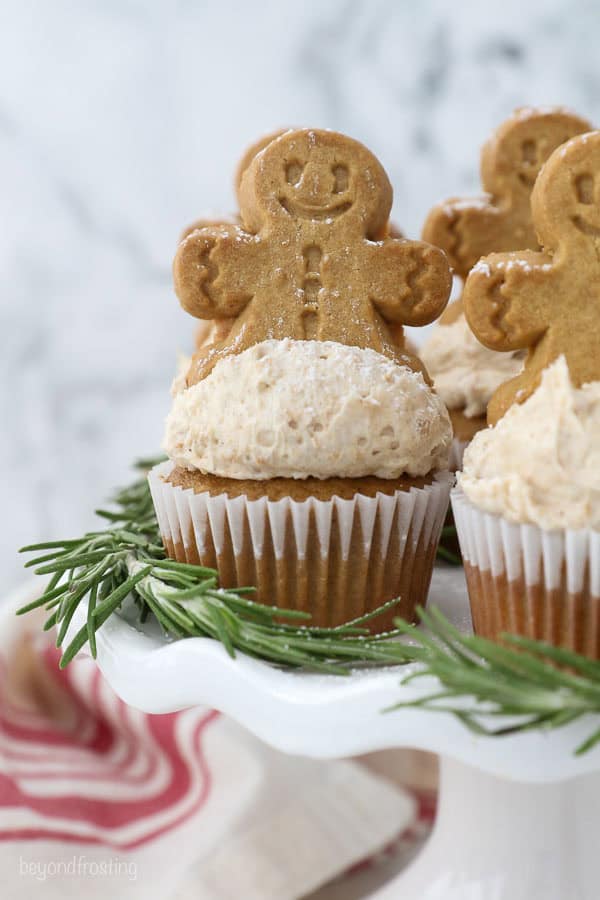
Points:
(122, 120)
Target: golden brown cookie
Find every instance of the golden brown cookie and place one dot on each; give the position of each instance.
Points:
(452, 312)
(393, 231)
(468, 229)
(307, 262)
(207, 223)
(210, 332)
(390, 229)
(547, 301)
(250, 153)
(243, 164)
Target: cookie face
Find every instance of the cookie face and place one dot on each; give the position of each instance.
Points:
(548, 302)
(255, 148)
(312, 260)
(297, 208)
(511, 159)
(316, 176)
(566, 203)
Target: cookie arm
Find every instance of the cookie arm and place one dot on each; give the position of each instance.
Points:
(465, 229)
(207, 223)
(210, 271)
(505, 299)
(410, 281)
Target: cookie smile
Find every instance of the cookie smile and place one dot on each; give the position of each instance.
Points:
(306, 211)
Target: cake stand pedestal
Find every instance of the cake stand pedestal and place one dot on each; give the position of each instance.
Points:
(519, 816)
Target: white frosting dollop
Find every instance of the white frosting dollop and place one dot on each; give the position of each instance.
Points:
(540, 463)
(296, 409)
(464, 372)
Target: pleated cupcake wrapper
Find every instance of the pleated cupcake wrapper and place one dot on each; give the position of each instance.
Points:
(335, 559)
(457, 451)
(524, 580)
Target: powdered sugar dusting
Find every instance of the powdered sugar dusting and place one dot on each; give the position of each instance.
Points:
(574, 142)
(529, 112)
(483, 267)
(502, 265)
(461, 205)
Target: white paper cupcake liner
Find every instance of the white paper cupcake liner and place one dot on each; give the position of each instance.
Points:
(524, 580)
(336, 558)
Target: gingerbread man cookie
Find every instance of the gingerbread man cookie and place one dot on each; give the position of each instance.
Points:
(468, 229)
(547, 301)
(391, 229)
(243, 164)
(309, 261)
(209, 332)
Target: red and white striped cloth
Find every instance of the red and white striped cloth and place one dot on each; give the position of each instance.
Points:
(97, 796)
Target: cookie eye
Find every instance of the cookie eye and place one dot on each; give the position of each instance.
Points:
(529, 152)
(293, 172)
(584, 187)
(340, 175)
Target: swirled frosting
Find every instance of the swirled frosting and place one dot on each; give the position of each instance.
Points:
(466, 373)
(540, 463)
(296, 409)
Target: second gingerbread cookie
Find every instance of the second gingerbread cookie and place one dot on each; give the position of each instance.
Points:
(307, 262)
(469, 228)
(547, 302)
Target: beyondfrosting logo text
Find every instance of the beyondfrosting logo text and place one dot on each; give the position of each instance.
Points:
(78, 867)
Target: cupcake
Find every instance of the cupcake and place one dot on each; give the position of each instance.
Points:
(466, 373)
(307, 450)
(528, 504)
(527, 511)
(311, 470)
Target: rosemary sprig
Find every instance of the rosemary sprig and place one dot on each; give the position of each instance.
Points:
(533, 684)
(127, 562)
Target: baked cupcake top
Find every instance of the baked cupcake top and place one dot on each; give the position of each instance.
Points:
(540, 463)
(466, 373)
(296, 409)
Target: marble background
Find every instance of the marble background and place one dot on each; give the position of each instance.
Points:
(122, 120)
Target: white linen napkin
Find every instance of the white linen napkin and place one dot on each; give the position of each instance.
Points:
(98, 799)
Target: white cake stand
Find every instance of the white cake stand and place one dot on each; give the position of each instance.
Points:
(519, 816)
